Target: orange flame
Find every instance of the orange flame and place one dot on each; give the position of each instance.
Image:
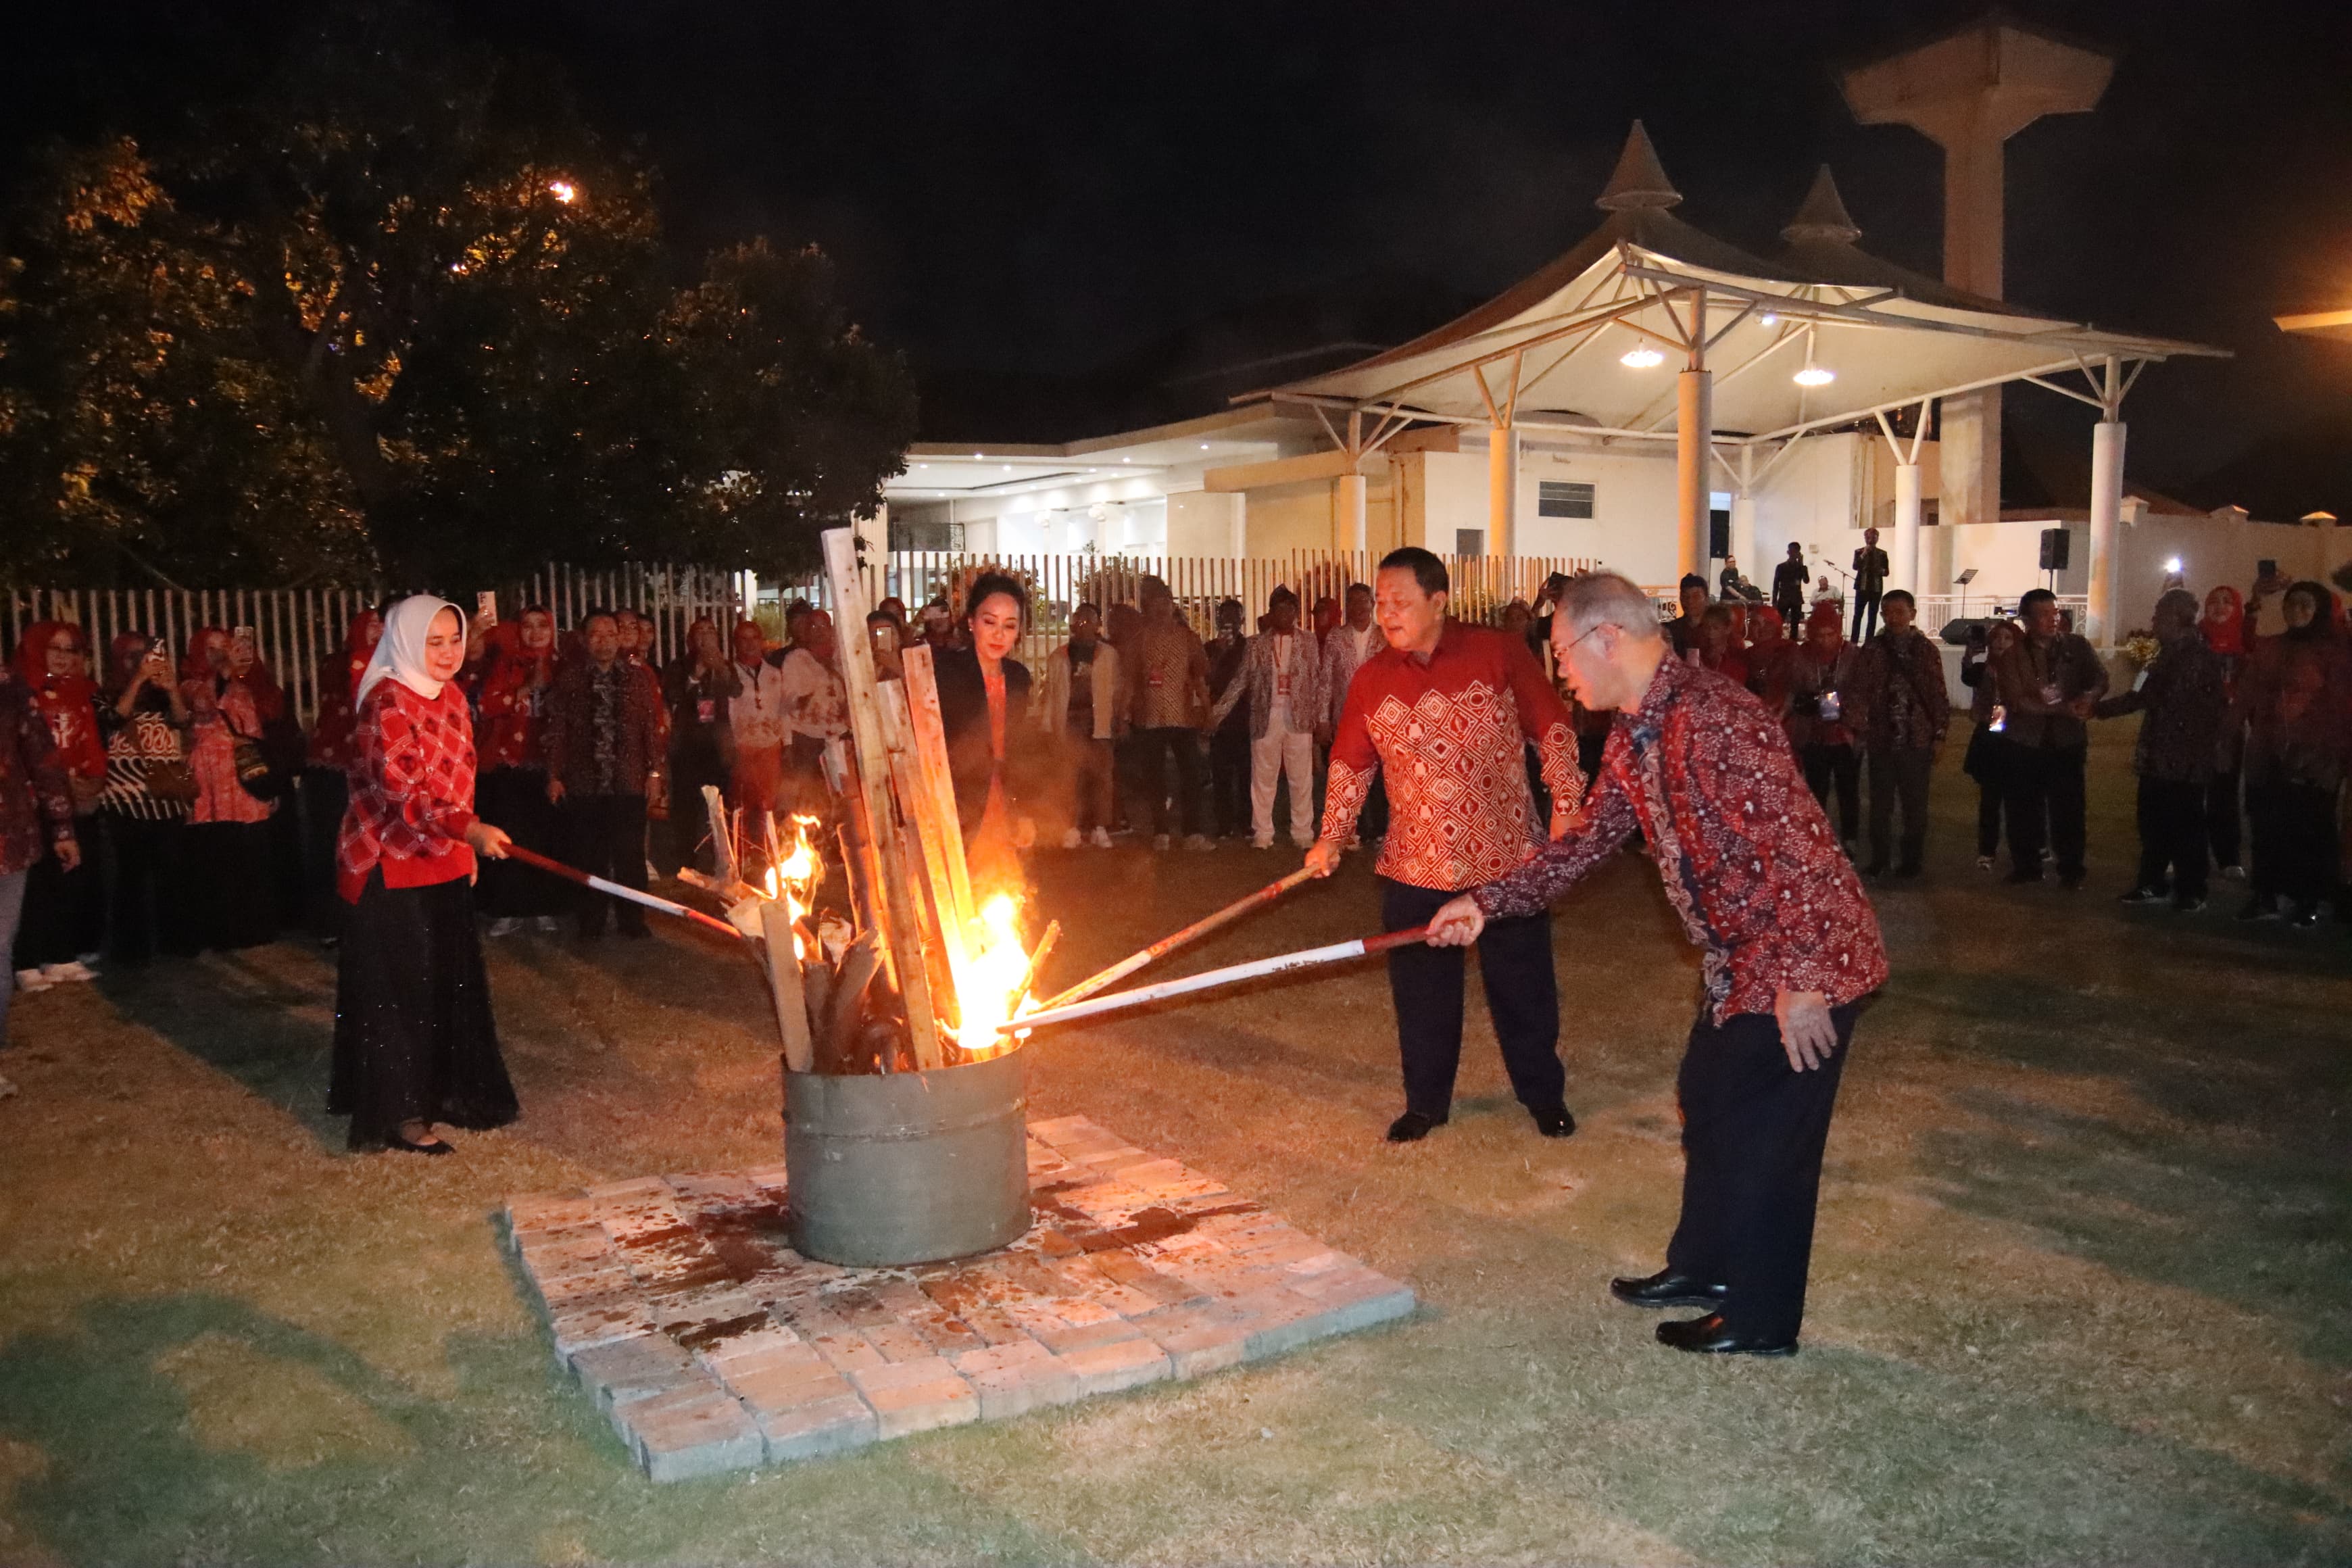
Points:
(795, 878)
(992, 983)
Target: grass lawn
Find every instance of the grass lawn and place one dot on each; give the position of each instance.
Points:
(2083, 1288)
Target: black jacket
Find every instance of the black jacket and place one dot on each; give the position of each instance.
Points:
(963, 713)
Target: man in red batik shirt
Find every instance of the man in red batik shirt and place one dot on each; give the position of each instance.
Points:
(1444, 713)
(1791, 947)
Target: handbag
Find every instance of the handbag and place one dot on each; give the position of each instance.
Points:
(170, 779)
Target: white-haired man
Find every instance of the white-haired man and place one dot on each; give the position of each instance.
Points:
(1749, 863)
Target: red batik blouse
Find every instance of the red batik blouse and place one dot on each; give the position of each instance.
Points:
(1449, 735)
(412, 791)
(1749, 862)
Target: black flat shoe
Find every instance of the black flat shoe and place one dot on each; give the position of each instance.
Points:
(1668, 1288)
(1555, 1122)
(1413, 1127)
(393, 1140)
(1708, 1336)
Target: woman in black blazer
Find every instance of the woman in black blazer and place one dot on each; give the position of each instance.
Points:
(984, 708)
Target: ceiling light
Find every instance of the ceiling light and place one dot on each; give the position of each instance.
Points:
(1204, 446)
(1814, 375)
(1769, 319)
(1643, 358)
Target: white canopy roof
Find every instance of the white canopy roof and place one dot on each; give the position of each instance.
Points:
(1550, 351)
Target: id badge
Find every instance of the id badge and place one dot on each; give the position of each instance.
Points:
(706, 710)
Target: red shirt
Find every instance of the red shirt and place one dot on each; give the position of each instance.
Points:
(1448, 734)
(1749, 860)
(412, 791)
(512, 731)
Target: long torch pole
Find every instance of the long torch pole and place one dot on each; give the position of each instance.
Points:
(572, 874)
(1232, 974)
(1168, 945)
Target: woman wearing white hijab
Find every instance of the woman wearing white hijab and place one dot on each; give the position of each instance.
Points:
(414, 1042)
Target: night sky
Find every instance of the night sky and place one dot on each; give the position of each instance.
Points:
(1033, 191)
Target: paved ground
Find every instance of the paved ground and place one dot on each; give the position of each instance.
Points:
(2082, 1289)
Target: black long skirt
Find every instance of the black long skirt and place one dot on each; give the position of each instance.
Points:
(414, 1040)
(65, 911)
(231, 877)
(516, 799)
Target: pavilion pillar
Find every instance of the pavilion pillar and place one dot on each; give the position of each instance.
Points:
(1348, 509)
(1743, 533)
(1502, 490)
(2106, 514)
(1693, 431)
(1903, 560)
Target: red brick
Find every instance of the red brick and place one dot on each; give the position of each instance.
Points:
(1014, 1378)
(918, 1396)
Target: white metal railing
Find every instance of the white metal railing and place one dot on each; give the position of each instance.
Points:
(298, 628)
(1937, 609)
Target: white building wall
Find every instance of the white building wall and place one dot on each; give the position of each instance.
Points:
(1206, 523)
(1813, 497)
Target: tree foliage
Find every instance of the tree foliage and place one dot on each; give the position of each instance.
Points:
(395, 311)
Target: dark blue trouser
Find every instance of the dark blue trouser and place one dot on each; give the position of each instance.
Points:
(1427, 985)
(1753, 1131)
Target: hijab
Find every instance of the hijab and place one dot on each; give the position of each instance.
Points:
(401, 652)
(2224, 621)
(2321, 625)
(33, 664)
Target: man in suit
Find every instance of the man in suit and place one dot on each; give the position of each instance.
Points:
(1870, 567)
(1789, 582)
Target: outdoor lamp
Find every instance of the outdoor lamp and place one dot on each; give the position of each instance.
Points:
(563, 190)
(1643, 358)
(1812, 375)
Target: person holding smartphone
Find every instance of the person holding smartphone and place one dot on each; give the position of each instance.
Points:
(1987, 759)
(2050, 684)
(1822, 681)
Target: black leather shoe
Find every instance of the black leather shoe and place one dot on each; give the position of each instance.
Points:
(1668, 1288)
(1413, 1127)
(1708, 1336)
(1555, 1122)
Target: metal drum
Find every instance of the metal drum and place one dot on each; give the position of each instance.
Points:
(907, 1167)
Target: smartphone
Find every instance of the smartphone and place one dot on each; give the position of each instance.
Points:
(160, 648)
(1999, 720)
(485, 609)
(1832, 709)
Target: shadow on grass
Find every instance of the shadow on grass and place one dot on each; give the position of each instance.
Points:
(265, 1016)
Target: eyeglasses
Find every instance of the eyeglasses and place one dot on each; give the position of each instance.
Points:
(1588, 631)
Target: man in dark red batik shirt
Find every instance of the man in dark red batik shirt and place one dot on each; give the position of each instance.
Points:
(1750, 864)
(1444, 713)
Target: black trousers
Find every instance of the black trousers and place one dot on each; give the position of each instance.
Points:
(516, 799)
(230, 884)
(2045, 807)
(1153, 748)
(2171, 815)
(150, 908)
(1864, 604)
(694, 762)
(1753, 1131)
(1427, 985)
(606, 837)
(1229, 782)
(1091, 805)
(2295, 844)
(1840, 766)
(325, 795)
(2224, 824)
(65, 911)
(1899, 777)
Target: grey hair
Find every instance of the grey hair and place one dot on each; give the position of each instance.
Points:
(1604, 598)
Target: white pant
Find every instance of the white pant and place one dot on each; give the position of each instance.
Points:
(1272, 755)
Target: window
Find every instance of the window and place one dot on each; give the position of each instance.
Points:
(925, 535)
(1563, 498)
(1469, 541)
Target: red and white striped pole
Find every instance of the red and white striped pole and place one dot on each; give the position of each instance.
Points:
(573, 874)
(1232, 974)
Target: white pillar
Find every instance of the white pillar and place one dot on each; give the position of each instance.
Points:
(2107, 512)
(1241, 525)
(1903, 560)
(1694, 434)
(1347, 511)
(1502, 490)
(1743, 540)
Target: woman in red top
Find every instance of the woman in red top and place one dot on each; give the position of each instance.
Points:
(414, 1042)
(231, 859)
(324, 796)
(65, 911)
(511, 734)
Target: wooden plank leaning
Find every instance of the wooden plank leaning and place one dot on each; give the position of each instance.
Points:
(784, 980)
(931, 738)
(897, 904)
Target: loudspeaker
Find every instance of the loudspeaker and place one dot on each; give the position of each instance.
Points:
(2054, 548)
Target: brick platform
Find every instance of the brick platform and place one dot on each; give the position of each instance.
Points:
(713, 1346)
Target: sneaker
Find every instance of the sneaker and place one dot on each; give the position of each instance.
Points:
(2234, 873)
(2143, 895)
(1261, 843)
(1160, 841)
(1101, 838)
(63, 974)
(505, 925)
(549, 925)
(33, 980)
(2187, 906)
(1984, 862)
(1199, 841)
(1073, 839)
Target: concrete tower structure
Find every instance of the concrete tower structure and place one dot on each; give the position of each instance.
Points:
(1970, 91)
